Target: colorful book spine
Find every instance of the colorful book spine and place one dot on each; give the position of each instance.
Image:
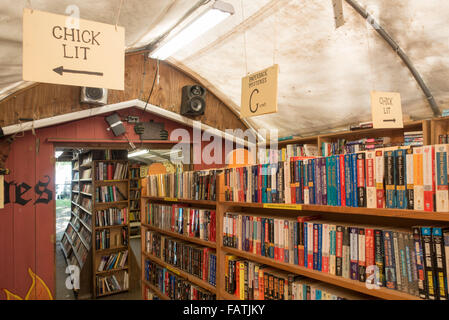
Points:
(337, 181)
(370, 179)
(346, 253)
(428, 254)
(390, 183)
(397, 260)
(370, 255)
(390, 271)
(409, 178)
(379, 179)
(342, 180)
(332, 249)
(324, 175)
(442, 193)
(439, 261)
(361, 189)
(354, 250)
(401, 193)
(326, 247)
(348, 175)
(379, 257)
(418, 183)
(361, 255)
(354, 181)
(339, 251)
(429, 177)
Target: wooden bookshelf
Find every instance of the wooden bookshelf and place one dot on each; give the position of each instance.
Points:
(117, 243)
(210, 205)
(83, 192)
(134, 197)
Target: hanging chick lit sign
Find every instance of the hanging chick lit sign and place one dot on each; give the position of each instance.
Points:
(87, 53)
(386, 109)
(259, 92)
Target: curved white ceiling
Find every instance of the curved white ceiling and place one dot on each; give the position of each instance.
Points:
(326, 74)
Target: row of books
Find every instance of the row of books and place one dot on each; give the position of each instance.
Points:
(343, 146)
(134, 194)
(134, 183)
(248, 280)
(405, 178)
(134, 216)
(443, 138)
(76, 187)
(103, 239)
(86, 174)
(191, 222)
(134, 205)
(109, 194)
(84, 216)
(413, 261)
(80, 250)
(71, 233)
(113, 261)
(111, 171)
(134, 173)
(87, 159)
(113, 283)
(86, 203)
(148, 294)
(75, 175)
(292, 150)
(87, 188)
(111, 217)
(196, 260)
(195, 185)
(413, 138)
(172, 285)
(75, 197)
(86, 235)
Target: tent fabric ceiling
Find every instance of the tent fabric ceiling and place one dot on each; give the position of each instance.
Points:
(326, 74)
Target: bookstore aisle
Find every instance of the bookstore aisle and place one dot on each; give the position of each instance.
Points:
(224, 153)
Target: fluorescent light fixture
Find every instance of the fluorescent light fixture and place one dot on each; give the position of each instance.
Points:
(137, 153)
(58, 153)
(210, 18)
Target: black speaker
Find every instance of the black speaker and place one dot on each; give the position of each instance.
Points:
(193, 100)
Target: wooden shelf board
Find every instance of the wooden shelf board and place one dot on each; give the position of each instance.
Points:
(318, 275)
(108, 181)
(84, 209)
(110, 227)
(111, 203)
(75, 191)
(392, 213)
(227, 296)
(182, 237)
(108, 250)
(182, 273)
(89, 180)
(111, 293)
(110, 271)
(166, 199)
(86, 194)
(155, 290)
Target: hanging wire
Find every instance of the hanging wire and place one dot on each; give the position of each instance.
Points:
(275, 42)
(244, 39)
(118, 14)
(371, 67)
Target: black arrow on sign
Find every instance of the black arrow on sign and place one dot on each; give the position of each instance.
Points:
(60, 70)
(389, 120)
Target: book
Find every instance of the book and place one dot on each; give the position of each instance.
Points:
(418, 183)
(428, 258)
(429, 177)
(379, 179)
(370, 179)
(390, 179)
(441, 185)
(439, 261)
(361, 188)
(401, 182)
(409, 174)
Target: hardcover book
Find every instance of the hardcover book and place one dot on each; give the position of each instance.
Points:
(418, 184)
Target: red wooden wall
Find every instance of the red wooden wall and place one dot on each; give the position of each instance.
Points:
(27, 223)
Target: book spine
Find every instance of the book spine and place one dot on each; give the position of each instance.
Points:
(403, 262)
(390, 185)
(337, 181)
(354, 253)
(306, 193)
(401, 193)
(323, 181)
(379, 179)
(369, 255)
(346, 253)
(326, 248)
(361, 189)
(409, 177)
(370, 185)
(348, 174)
(418, 184)
(439, 262)
(354, 189)
(442, 193)
(379, 257)
(332, 249)
(428, 254)
(397, 261)
(320, 247)
(342, 181)
(390, 272)
(310, 245)
(361, 255)
(429, 177)
(339, 251)
(315, 246)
